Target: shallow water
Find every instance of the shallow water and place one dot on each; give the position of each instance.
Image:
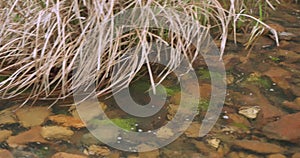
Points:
(260, 117)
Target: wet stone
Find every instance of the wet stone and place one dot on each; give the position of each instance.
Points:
(214, 142)
(249, 112)
(25, 154)
(193, 130)
(67, 155)
(89, 139)
(56, 132)
(7, 116)
(97, 150)
(30, 136)
(294, 105)
(32, 116)
(202, 147)
(258, 147)
(4, 134)
(148, 154)
(278, 129)
(5, 154)
(276, 156)
(67, 121)
(296, 155)
(164, 133)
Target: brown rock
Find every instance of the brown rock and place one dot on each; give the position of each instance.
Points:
(279, 76)
(175, 99)
(98, 150)
(7, 116)
(30, 136)
(233, 155)
(32, 116)
(295, 90)
(56, 132)
(276, 156)
(268, 111)
(238, 119)
(296, 155)
(202, 147)
(259, 147)
(292, 105)
(287, 128)
(5, 154)
(215, 155)
(149, 154)
(193, 130)
(4, 134)
(205, 91)
(67, 155)
(67, 121)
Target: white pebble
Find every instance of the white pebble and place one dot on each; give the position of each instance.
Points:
(225, 117)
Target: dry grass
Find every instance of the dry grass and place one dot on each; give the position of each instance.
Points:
(41, 40)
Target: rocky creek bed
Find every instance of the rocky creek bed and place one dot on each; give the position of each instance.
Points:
(260, 118)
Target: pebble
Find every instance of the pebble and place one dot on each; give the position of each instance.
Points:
(56, 132)
(67, 155)
(249, 112)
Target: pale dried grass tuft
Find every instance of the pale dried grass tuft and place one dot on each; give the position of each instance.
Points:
(40, 40)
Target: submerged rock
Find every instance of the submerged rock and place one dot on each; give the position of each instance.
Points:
(214, 142)
(67, 155)
(4, 134)
(32, 116)
(276, 156)
(5, 154)
(193, 130)
(295, 105)
(56, 132)
(67, 121)
(30, 136)
(296, 155)
(97, 150)
(164, 133)
(7, 116)
(258, 147)
(249, 112)
(25, 154)
(148, 154)
(287, 128)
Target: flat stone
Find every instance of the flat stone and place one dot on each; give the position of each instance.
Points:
(279, 76)
(7, 116)
(56, 132)
(98, 150)
(164, 133)
(18, 153)
(286, 128)
(292, 105)
(296, 155)
(193, 130)
(67, 155)
(67, 121)
(276, 156)
(258, 147)
(4, 134)
(202, 147)
(149, 154)
(5, 154)
(30, 136)
(32, 116)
